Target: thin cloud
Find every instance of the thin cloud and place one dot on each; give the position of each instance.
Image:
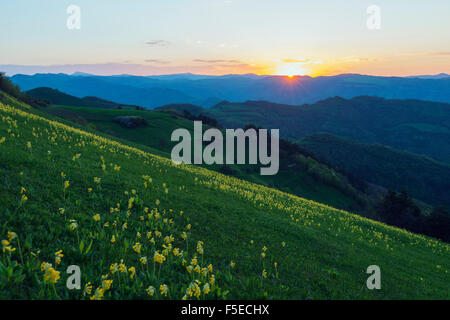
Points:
(359, 59)
(157, 61)
(296, 60)
(444, 53)
(436, 53)
(159, 43)
(241, 65)
(216, 61)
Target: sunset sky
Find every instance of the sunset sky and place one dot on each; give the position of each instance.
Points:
(144, 37)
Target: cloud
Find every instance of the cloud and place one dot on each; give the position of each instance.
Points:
(241, 65)
(216, 61)
(160, 43)
(157, 61)
(296, 60)
(355, 59)
(425, 53)
(444, 53)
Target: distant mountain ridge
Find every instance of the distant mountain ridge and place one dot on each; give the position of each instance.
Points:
(206, 91)
(436, 76)
(103, 87)
(57, 97)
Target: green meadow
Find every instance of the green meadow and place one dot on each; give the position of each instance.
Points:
(140, 227)
(156, 135)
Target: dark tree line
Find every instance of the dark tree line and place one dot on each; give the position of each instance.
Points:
(201, 117)
(398, 209)
(13, 90)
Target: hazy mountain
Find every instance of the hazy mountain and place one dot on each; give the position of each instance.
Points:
(56, 97)
(116, 88)
(436, 76)
(82, 74)
(202, 90)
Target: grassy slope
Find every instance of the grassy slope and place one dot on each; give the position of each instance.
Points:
(161, 125)
(326, 254)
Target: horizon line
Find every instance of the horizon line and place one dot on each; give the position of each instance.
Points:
(87, 74)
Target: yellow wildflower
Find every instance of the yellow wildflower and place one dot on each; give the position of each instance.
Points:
(150, 291)
(164, 289)
(206, 288)
(122, 267)
(73, 225)
(6, 246)
(106, 284)
(113, 268)
(98, 295)
(51, 275)
(87, 289)
(132, 271)
(45, 266)
(137, 247)
(159, 258)
(58, 256)
(200, 247)
(11, 235)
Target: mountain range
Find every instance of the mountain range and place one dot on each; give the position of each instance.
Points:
(417, 126)
(56, 97)
(207, 91)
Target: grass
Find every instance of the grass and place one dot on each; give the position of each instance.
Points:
(157, 136)
(321, 252)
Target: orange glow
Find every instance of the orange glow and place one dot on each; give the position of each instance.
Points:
(291, 69)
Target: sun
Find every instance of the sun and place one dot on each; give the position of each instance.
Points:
(291, 70)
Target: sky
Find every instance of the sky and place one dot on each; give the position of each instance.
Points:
(286, 37)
